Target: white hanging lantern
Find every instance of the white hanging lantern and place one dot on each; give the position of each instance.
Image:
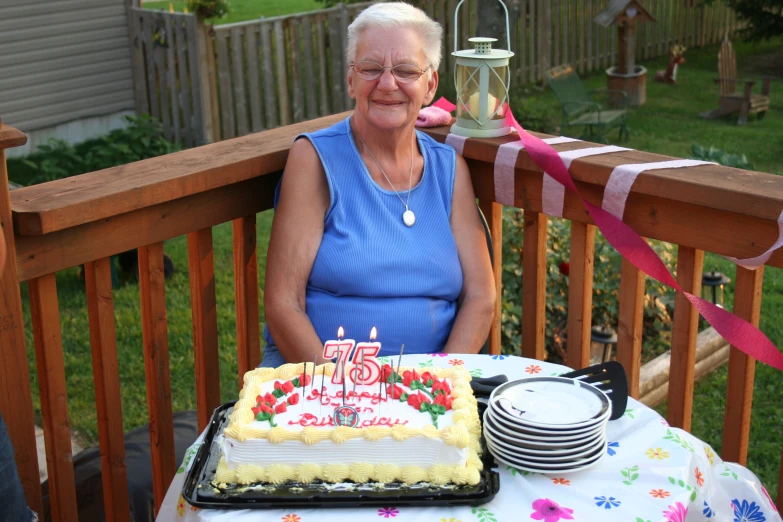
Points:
(481, 78)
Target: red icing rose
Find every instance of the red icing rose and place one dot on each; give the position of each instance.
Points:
(443, 400)
(441, 387)
(293, 399)
(278, 385)
(304, 380)
(386, 372)
(259, 399)
(255, 409)
(394, 391)
(408, 376)
(416, 400)
(427, 377)
(288, 387)
(280, 408)
(265, 408)
(270, 399)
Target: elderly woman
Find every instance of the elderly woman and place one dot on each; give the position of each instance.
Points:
(376, 224)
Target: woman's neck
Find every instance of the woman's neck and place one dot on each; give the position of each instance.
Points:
(392, 146)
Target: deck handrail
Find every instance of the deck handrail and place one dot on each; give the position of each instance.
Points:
(88, 218)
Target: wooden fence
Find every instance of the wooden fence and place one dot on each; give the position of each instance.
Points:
(173, 68)
(207, 84)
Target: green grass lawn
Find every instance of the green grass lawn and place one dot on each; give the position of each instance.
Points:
(241, 10)
(668, 124)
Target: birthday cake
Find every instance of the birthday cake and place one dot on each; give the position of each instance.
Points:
(293, 425)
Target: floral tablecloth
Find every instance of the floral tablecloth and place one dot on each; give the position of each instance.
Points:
(650, 473)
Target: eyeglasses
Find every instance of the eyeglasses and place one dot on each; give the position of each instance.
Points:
(404, 72)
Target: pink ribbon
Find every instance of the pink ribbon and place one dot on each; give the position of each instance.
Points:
(632, 247)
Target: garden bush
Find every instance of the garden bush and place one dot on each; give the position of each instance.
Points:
(606, 289)
(142, 138)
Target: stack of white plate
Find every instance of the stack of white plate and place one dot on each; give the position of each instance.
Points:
(547, 424)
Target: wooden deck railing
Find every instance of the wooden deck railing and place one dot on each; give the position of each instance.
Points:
(88, 218)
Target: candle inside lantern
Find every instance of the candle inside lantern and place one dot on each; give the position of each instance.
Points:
(474, 105)
(340, 349)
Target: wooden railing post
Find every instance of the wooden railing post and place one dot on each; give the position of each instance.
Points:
(16, 401)
(534, 285)
(580, 294)
(105, 368)
(493, 213)
(246, 294)
(201, 267)
(44, 310)
(742, 368)
(630, 313)
(685, 328)
(154, 329)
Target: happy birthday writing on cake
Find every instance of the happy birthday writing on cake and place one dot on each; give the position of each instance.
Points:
(328, 399)
(308, 419)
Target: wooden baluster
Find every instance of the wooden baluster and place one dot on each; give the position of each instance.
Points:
(156, 365)
(684, 331)
(103, 340)
(742, 368)
(580, 294)
(779, 502)
(16, 403)
(629, 328)
(45, 314)
(493, 213)
(246, 292)
(201, 265)
(534, 285)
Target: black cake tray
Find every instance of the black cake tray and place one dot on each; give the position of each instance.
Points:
(202, 491)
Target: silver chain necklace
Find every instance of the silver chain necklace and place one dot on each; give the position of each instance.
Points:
(408, 217)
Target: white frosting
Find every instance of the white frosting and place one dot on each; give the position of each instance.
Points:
(419, 451)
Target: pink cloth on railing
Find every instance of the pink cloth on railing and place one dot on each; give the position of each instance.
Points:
(433, 117)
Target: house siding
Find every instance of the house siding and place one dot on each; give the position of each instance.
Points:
(62, 61)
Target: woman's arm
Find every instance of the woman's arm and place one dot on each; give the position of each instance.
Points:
(477, 299)
(297, 230)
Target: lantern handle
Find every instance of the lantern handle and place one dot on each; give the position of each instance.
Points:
(456, 25)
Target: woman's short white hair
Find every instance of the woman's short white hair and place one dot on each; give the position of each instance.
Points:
(389, 15)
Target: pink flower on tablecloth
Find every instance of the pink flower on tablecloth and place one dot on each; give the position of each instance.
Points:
(550, 511)
(456, 362)
(676, 513)
(388, 512)
(771, 502)
(439, 354)
(533, 369)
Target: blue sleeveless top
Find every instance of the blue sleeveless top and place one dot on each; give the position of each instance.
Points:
(373, 270)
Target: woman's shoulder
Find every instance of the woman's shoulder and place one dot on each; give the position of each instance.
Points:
(436, 147)
(336, 130)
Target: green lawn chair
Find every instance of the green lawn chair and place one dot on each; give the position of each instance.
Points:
(580, 109)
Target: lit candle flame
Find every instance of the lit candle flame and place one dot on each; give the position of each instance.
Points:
(340, 333)
(373, 333)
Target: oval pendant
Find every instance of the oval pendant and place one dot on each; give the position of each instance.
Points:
(408, 218)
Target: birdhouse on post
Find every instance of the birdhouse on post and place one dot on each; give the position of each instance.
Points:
(626, 75)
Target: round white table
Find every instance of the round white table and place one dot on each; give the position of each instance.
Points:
(650, 473)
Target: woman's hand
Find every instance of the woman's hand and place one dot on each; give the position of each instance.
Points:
(297, 231)
(477, 299)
